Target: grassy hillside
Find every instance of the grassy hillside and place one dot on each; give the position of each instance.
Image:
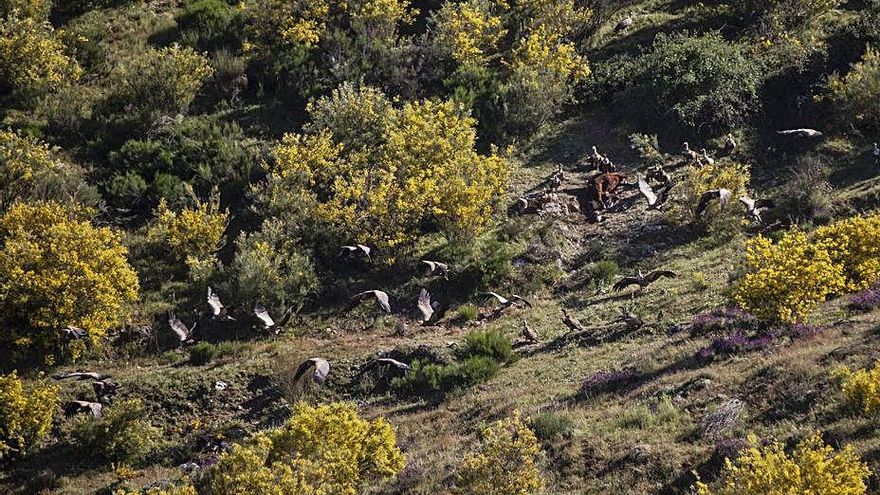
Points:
(615, 408)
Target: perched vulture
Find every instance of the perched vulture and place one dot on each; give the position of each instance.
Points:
(218, 310)
(594, 158)
(624, 24)
(386, 365)
(505, 302)
(529, 334)
(801, 133)
(642, 280)
(262, 314)
(632, 321)
(183, 334)
(656, 173)
(708, 160)
(722, 195)
(381, 298)
(730, 144)
(73, 333)
(81, 375)
(357, 249)
(426, 307)
(105, 388)
(688, 153)
(754, 207)
(876, 154)
(655, 200)
(572, 323)
(75, 407)
(322, 369)
(437, 267)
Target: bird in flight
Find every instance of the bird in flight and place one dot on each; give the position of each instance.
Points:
(722, 195)
(505, 302)
(380, 296)
(655, 199)
(218, 310)
(800, 133)
(754, 207)
(436, 267)
(320, 372)
(184, 334)
(75, 407)
(642, 280)
(356, 250)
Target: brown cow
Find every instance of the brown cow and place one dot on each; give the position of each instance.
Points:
(603, 186)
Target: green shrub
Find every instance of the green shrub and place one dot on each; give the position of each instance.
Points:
(490, 343)
(430, 378)
(25, 415)
(603, 272)
(123, 434)
(856, 96)
(694, 80)
(468, 312)
(208, 21)
(550, 426)
(202, 353)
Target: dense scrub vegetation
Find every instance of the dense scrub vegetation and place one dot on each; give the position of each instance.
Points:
(403, 246)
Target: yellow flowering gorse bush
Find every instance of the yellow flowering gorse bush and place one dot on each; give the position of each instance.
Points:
(861, 388)
(788, 279)
(321, 450)
(469, 32)
(506, 463)
(36, 9)
(857, 94)
(812, 468)
(698, 179)
(192, 234)
(56, 270)
(33, 58)
(854, 244)
(25, 416)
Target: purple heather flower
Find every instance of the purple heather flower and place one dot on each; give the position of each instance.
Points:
(867, 299)
(604, 380)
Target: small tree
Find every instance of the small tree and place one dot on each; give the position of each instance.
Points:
(25, 416)
(59, 270)
(33, 60)
(812, 467)
(506, 462)
(321, 449)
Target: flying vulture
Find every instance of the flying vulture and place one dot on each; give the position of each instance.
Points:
(655, 200)
(218, 310)
(722, 195)
(754, 207)
(801, 133)
(75, 407)
(73, 333)
(381, 298)
(81, 375)
(505, 302)
(386, 365)
(356, 250)
(183, 334)
(437, 267)
(262, 314)
(642, 280)
(426, 307)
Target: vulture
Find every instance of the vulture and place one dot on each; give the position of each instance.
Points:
(722, 195)
(505, 302)
(632, 321)
(427, 308)
(105, 388)
(386, 365)
(624, 24)
(801, 133)
(708, 160)
(73, 333)
(754, 207)
(530, 335)
(572, 323)
(218, 310)
(594, 158)
(75, 407)
(876, 154)
(381, 298)
(262, 314)
(730, 144)
(642, 280)
(688, 153)
(322, 369)
(656, 173)
(357, 249)
(81, 375)
(183, 334)
(438, 267)
(655, 200)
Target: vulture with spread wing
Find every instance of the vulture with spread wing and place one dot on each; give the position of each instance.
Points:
(75, 407)
(81, 375)
(380, 296)
(655, 199)
(184, 334)
(356, 250)
(800, 133)
(642, 280)
(437, 268)
(386, 367)
(319, 373)
(722, 195)
(427, 308)
(754, 207)
(218, 310)
(505, 302)
(262, 314)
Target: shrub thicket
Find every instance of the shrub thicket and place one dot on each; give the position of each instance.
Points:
(122, 434)
(856, 95)
(33, 59)
(321, 449)
(59, 270)
(506, 462)
(812, 467)
(861, 389)
(25, 415)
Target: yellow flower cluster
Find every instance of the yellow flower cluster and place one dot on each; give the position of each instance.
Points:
(564, 17)
(193, 234)
(22, 161)
(423, 168)
(32, 57)
(37, 9)
(787, 280)
(861, 388)
(321, 450)
(25, 418)
(506, 462)
(179, 489)
(812, 467)
(854, 244)
(57, 269)
(856, 95)
(468, 32)
(546, 50)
